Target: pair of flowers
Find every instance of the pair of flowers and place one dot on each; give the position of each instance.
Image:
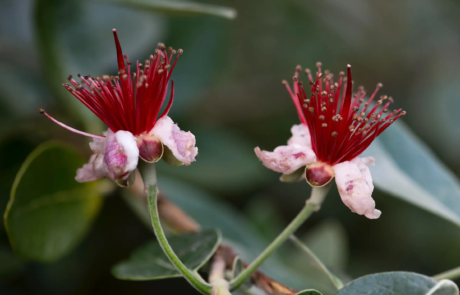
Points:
(336, 127)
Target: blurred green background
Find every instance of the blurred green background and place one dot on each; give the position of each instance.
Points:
(229, 94)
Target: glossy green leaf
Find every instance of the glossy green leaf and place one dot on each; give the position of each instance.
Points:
(150, 263)
(224, 159)
(317, 263)
(49, 213)
(237, 268)
(395, 283)
(328, 240)
(179, 7)
(309, 292)
(406, 168)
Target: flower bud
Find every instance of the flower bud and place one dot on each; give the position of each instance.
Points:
(319, 174)
(150, 148)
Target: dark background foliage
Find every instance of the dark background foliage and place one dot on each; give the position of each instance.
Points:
(229, 94)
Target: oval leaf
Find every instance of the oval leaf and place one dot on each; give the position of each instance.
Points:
(395, 283)
(175, 7)
(150, 263)
(308, 292)
(407, 169)
(49, 212)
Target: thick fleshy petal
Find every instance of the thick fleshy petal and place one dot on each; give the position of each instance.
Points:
(121, 154)
(95, 168)
(88, 173)
(300, 135)
(98, 145)
(354, 183)
(365, 172)
(286, 158)
(181, 143)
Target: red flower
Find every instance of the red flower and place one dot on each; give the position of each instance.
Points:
(129, 104)
(341, 124)
(129, 101)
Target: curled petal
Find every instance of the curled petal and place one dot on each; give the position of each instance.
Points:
(92, 170)
(300, 135)
(286, 158)
(121, 154)
(95, 168)
(98, 145)
(365, 172)
(354, 183)
(181, 143)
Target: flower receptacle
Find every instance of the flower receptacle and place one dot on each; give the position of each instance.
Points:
(150, 148)
(319, 174)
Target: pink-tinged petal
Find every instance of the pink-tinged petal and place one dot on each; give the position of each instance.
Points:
(286, 158)
(95, 168)
(181, 143)
(121, 154)
(365, 172)
(92, 170)
(98, 145)
(354, 183)
(300, 135)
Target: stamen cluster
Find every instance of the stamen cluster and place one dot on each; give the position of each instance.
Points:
(340, 123)
(129, 101)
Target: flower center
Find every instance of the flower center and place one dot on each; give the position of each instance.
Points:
(319, 174)
(342, 125)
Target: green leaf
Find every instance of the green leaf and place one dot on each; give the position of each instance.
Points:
(237, 268)
(207, 210)
(177, 7)
(49, 213)
(318, 264)
(407, 169)
(224, 159)
(150, 263)
(328, 240)
(395, 283)
(309, 292)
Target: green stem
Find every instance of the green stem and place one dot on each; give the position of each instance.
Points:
(450, 274)
(317, 196)
(149, 176)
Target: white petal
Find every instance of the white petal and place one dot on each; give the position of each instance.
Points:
(92, 170)
(98, 145)
(355, 187)
(286, 158)
(365, 172)
(300, 135)
(121, 154)
(181, 143)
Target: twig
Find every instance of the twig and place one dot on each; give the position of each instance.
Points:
(178, 220)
